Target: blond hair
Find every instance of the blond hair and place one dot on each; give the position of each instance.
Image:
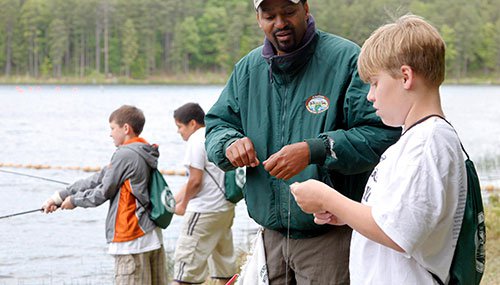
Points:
(408, 41)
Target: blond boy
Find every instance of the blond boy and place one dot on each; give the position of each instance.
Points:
(134, 240)
(407, 223)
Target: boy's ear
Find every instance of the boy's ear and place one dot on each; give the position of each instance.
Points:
(192, 123)
(128, 130)
(408, 76)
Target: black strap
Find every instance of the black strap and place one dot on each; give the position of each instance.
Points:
(439, 116)
(436, 278)
(216, 183)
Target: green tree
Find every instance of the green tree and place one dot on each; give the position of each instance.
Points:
(82, 39)
(9, 10)
(130, 46)
(488, 48)
(449, 38)
(33, 21)
(186, 44)
(212, 37)
(58, 40)
(46, 67)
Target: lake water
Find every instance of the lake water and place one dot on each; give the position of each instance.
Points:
(67, 126)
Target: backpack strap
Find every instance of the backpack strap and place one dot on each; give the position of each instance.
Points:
(436, 278)
(439, 116)
(216, 183)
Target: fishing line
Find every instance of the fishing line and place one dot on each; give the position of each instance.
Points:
(34, 176)
(288, 236)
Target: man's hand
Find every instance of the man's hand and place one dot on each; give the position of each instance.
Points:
(242, 153)
(288, 161)
(67, 205)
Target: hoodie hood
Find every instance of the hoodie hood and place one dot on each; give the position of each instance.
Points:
(149, 152)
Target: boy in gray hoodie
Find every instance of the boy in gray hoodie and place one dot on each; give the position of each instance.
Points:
(134, 240)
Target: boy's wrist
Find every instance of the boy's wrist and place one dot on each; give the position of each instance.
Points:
(56, 197)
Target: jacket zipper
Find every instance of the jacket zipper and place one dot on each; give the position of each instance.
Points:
(283, 127)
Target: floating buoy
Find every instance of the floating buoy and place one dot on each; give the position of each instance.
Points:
(489, 188)
(168, 172)
(180, 172)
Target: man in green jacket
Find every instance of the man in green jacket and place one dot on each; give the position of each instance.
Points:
(295, 109)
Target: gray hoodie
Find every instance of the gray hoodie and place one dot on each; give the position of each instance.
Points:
(124, 182)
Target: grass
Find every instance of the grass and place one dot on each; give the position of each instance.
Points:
(492, 269)
(190, 78)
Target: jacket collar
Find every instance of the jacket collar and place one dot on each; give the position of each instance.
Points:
(135, 140)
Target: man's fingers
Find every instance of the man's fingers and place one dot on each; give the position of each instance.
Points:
(234, 156)
(277, 168)
(270, 164)
(242, 153)
(249, 150)
(282, 174)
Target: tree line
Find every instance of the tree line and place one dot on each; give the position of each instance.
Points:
(140, 39)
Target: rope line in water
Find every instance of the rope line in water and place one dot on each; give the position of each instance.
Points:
(179, 172)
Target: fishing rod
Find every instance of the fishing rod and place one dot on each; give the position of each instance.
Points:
(21, 213)
(34, 176)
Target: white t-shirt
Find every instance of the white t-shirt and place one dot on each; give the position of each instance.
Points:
(417, 193)
(148, 242)
(210, 199)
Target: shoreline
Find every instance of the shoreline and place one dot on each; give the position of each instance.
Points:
(196, 78)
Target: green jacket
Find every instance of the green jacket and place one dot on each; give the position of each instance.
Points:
(313, 94)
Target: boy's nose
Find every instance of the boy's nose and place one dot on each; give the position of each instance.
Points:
(370, 97)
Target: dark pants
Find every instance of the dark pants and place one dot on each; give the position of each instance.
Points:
(322, 260)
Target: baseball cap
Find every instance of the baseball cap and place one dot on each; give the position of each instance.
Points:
(256, 3)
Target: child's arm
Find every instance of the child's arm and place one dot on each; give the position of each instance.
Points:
(180, 194)
(316, 197)
(192, 188)
(106, 184)
(86, 183)
(56, 200)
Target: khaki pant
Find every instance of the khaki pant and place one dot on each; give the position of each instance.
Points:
(146, 268)
(205, 242)
(322, 260)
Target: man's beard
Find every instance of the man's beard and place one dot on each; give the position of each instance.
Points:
(289, 45)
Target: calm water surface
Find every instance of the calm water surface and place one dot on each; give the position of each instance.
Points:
(67, 126)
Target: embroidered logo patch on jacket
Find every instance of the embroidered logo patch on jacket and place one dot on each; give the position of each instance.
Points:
(317, 104)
